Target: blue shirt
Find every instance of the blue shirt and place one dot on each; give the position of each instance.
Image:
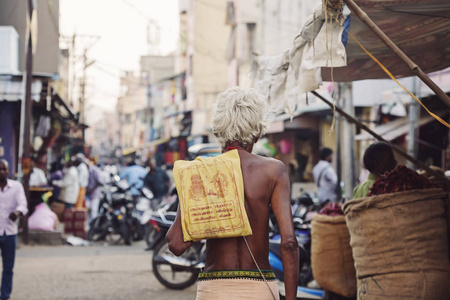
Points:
(134, 176)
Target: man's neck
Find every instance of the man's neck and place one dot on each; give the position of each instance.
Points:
(237, 146)
(3, 183)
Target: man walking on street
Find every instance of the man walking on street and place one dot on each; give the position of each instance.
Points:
(83, 179)
(13, 205)
(134, 175)
(238, 122)
(325, 177)
(93, 190)
(157, 181)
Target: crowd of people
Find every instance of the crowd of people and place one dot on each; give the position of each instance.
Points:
(77, 183)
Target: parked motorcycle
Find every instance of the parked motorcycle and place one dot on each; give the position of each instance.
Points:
(143, 212)
(161, 219)
(172, 271)
(116, 220)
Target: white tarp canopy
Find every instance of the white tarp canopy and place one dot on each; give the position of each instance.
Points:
(420, 28)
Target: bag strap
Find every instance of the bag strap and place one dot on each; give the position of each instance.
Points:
(320, 175)
(254, 260)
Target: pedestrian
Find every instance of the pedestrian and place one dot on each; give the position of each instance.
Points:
(93, 190)
(37, 176)
(13, 205)
(378, 159)
(157, 181)
(134, 174)
(83, 179)
(55, 174)
(238, 122)
(326, 178)
(69, 185)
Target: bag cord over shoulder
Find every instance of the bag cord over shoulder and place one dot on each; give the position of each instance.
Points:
(254, 260)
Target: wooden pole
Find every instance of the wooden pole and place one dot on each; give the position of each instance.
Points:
(396, 148)
(397, 51)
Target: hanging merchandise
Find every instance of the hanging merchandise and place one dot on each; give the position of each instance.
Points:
(285, 146)
(43, 126)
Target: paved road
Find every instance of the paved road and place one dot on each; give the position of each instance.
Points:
(89, 273)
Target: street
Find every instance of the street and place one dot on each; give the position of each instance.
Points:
(100, 271)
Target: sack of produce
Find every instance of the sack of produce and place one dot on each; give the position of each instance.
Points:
(399, 240)
(331, 254)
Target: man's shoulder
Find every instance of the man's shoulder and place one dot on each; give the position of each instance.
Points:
(270, 165)
(14, 183)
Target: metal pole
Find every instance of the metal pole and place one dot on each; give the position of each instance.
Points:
(413, 133)
(397, 51)
(348, 142)
(338, 149)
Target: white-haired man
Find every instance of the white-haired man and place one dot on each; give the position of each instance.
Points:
(238, 122)
(13, 205)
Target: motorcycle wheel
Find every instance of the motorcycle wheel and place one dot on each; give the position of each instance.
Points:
(138, 230)
(98, 229)
(124, 230)
(169, 275)
(150, 235)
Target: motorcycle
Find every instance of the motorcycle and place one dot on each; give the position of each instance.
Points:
(143, 212)
(115, 220)
(172, 271)
(161, 219)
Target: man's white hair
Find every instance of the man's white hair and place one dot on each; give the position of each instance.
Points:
(239, 115)
(5, 162)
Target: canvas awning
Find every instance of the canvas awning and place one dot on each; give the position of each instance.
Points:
(419, 28)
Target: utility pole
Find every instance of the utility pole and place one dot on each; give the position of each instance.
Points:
(82, 99)
(25, 158)
(72, 66)
(263, 26)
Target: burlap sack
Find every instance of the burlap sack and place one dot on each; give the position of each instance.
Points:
(406, 286)
(403, 233)
(331, 255)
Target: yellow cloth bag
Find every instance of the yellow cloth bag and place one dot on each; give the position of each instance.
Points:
(211, 192)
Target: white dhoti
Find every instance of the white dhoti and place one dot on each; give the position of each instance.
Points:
(241, 287)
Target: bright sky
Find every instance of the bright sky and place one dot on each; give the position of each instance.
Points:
(121, 26)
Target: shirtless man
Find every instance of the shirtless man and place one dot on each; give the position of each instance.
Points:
(238, 123)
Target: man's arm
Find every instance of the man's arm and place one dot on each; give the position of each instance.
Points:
(281, 206)
(175, 237)
(22, 205)
(124, 174)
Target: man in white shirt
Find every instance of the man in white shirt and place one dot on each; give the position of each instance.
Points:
(37, 176)
(13, 205)
(69, 185)
(325, 177)
(83, 179)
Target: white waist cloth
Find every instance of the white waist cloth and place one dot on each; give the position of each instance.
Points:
(225, 289)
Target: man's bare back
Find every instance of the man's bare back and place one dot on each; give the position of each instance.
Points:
(266, 182)
(260, 176)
